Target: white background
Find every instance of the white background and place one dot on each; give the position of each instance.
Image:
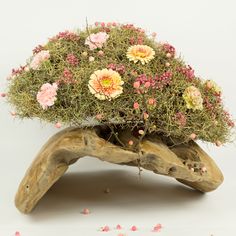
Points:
(205, 34)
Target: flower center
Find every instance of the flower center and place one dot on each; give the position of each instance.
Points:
(106, 81)
(140, 52)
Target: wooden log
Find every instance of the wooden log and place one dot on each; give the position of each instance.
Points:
(67, 146)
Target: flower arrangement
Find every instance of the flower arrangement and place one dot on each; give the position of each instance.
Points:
(118, 76)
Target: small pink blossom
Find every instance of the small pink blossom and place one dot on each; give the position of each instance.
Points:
(151, 101)
(17, 233)
(91, 59)
(145, 115)
(3, 95)
(72, 59)
(131, 142)
(13, 113)
(100, 53)
(46, 96)
(99, 116)
(118, 227)
(157, 228)
(218, 143)
(193, 136)
(154, 34)
(136, 84)
(120, 68)
(188, 72)
(141, 131)
(96, 40)
(136, 105)
(169, 49)
(39, 58)
(180, 119)
(106, 228)
(58, 125)
(134, 228)
(85, 211)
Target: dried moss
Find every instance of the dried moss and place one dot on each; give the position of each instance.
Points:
(75, 105)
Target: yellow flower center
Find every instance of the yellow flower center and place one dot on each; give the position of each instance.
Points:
(140, 52)
(106, 82)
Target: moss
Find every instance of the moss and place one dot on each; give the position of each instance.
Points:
(75, 103)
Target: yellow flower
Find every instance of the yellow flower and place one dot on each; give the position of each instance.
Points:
(210, 84)
(193, 98)
(142, 53)
(105, 84)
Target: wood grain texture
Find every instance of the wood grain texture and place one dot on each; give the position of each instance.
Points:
(67, 146)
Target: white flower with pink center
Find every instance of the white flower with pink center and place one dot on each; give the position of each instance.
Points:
(39, 58)
(96, 40)
(46, 96)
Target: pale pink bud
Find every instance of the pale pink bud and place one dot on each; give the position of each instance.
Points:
(218, 143)
(151, 101)
(118, 227)
(193, 136)
(167, 64)
(147, 84)
(154, 34)
(100, 53)
(145, 115)
(168, 55)
(105, 228)
(99, 116)
(58, 125)
(85, 211)
(91, 59)
(103, 24)
(204, 169)
(13, 113)
(157, 228)
(141, 131)
(17, 233)
(136, 84)
(3, 95)
(136, 105)
(134, 228)
(131, 142)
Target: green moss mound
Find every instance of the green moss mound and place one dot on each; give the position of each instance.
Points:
(160, 94)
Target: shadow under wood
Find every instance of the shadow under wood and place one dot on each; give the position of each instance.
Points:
(75, 191)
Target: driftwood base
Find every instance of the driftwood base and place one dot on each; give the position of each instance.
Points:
(185, 162)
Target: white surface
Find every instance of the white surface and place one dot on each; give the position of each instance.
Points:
(205, 33)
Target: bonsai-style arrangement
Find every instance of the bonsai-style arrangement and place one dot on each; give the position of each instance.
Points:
(127, 99)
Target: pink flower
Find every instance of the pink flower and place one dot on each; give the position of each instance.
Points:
(106, 228)
(118, 227)
(136, 84)
(46, 96)
(39, 58)
(193, 136)
(188, 72)
(169, 49)
(134, 228)
(58, 125)
(17, 233)
(72, 59)
(96, 40)
(3, 95)
(180, 119)
(131, 142)
(136, 105)
(85, 211)
(151, 101)
(157, 228)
